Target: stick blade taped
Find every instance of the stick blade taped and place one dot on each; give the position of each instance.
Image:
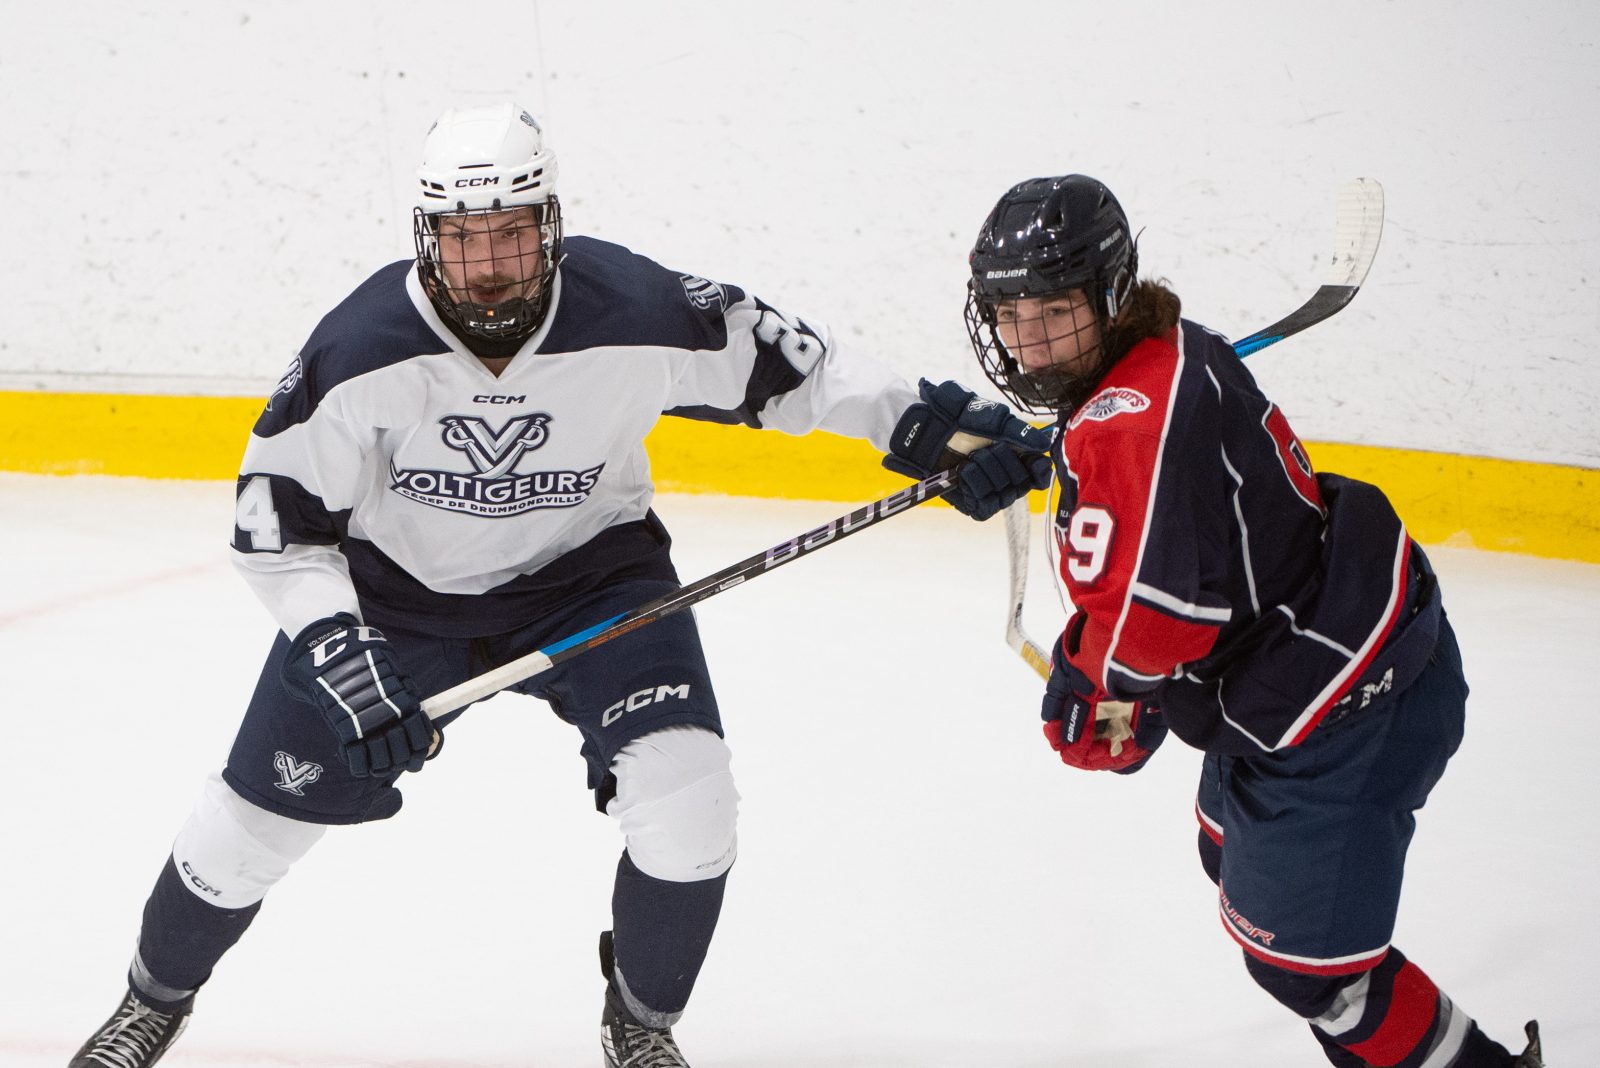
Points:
(1358, 226)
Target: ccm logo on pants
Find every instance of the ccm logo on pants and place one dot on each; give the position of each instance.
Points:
(636, 701)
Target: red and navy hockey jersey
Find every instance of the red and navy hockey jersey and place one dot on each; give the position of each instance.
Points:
(1213, 571)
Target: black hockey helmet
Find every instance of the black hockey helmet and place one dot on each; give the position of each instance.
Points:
(1047, 236)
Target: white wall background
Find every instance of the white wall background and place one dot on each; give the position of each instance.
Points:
(191, 186)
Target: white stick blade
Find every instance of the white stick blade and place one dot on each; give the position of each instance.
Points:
(1357, 228)
(1017, 545)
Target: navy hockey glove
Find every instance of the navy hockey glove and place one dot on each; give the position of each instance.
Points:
(349, 673)
(990, 478)
(1123, 735)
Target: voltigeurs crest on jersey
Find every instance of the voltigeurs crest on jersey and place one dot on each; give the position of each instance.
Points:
(704, 293)
(290, 379)
(494, 487)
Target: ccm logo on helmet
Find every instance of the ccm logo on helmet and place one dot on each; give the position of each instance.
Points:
(635, 701)
(461, 182)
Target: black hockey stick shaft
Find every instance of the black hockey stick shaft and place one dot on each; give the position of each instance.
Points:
(1358, 226)
(542, 660)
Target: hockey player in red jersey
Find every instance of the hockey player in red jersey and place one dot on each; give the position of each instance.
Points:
(1279, 619)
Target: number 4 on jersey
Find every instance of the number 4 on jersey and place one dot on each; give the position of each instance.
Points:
(255, 515)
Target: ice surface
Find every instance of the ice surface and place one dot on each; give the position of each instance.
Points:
(920, 882)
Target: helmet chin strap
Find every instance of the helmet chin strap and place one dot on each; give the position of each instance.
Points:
(1059, 390)
(491, 319)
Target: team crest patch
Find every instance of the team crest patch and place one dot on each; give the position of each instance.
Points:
(494, 487)
(703, 293)
(1109, 402)
(286, 384)
(293, 776)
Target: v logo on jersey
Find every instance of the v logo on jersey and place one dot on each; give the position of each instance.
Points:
(494, 488)
(495, 453)
(286, 384)
(703, 293)
(293, 776)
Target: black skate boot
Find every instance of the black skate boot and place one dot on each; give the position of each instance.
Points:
(628, 1044)
(135, 1037)
(625, 1041)
(1533, 1056)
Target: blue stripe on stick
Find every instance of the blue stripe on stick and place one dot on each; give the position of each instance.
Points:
(1245, 348)
(581, 636)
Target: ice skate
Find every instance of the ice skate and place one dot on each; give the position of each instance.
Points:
(1533, 1056)
(628, 1044)
(134, 1037)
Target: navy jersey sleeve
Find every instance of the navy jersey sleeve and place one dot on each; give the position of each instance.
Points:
(1211, 568)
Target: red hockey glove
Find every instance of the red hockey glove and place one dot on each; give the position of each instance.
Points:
(1124, 734)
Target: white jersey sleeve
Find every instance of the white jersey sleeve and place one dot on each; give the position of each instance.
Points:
(785, 373)
(292, 484)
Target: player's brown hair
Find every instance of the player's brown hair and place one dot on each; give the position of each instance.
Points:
(1152, 309)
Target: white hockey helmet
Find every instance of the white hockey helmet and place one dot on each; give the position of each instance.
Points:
(478, 162)
(485, 158)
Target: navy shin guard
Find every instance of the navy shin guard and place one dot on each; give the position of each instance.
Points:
(662, 931)
(180, 941)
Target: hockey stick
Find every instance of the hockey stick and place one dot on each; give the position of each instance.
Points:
(1358, 224)
(542, 660)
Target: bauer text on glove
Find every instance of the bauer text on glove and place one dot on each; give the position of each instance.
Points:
(1092, 730)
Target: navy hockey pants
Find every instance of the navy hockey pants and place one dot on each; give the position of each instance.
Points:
(286, 760)
(1307, 845)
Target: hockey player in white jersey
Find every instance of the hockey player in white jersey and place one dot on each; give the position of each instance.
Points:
(453, 474)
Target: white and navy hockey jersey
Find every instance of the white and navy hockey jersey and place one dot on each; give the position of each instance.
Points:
(393, 476)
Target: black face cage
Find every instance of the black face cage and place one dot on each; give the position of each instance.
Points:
(1041, 392)
(507, 320)
(1030, 393)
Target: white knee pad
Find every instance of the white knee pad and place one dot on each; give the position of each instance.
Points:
(677, 804)
(230, 853)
